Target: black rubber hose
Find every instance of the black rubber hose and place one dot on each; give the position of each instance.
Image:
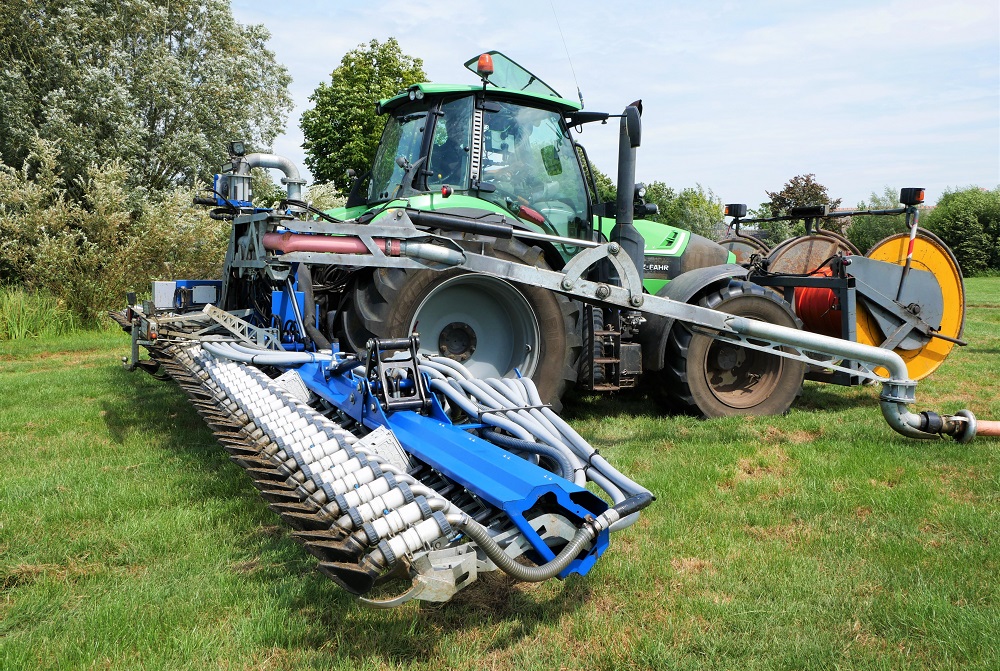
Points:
(565, 469)
(512, 567)
(584, 535)
(309, 318)
(634, 504)
(451, 222)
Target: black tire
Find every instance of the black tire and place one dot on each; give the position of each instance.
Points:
(490, 325)
(698, 377)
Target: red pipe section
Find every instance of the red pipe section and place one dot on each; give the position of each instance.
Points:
(340, 244)
(991, 429)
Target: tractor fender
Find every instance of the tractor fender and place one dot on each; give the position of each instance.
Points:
(653, 334)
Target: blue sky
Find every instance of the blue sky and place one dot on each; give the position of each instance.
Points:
(738, 97)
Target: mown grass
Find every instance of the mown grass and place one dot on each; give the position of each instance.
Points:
(816, 540)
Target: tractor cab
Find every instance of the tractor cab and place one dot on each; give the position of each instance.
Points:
(503, 147)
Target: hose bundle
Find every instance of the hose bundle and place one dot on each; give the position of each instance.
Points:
(523, 423)
(520, 421)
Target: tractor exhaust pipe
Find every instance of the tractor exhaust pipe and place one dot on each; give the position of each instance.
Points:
(624, 233)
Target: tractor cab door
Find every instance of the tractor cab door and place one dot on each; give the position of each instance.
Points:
(529, 160)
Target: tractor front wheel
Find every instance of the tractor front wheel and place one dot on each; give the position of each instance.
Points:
(716, 378)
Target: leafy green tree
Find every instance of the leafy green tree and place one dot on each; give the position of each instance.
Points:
(324, 196)
(693, 208)
(342, 130)
(773, 232)
(266, 192)
(88, 251)
(661, 195)
(607, 191)
(799, 191)
(968, 221)
(159, 86)
(866, 231)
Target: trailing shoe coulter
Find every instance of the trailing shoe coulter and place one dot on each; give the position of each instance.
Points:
(389, 373)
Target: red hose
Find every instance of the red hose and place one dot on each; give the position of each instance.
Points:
(339, 244)
(818, 309)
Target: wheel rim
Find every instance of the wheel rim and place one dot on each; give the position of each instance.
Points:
(485, 323)
(739, 377)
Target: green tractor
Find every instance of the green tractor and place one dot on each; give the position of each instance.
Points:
(504, 150)
(478, 228)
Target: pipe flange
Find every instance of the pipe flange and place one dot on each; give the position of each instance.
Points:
(406, 491)
(357, 521)
(969, 432)
(899, 392)
(387, 553)
(424, 507)
(338, 500)
(370, 533)
(443, 524)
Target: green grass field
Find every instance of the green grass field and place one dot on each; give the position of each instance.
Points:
(816, 540)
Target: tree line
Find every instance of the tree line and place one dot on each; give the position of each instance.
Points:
(113, 115)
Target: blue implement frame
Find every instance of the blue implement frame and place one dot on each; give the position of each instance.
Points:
(496, 476)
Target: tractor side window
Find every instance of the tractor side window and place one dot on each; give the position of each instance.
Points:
(402, 137)
(529, 157)
(449, 157)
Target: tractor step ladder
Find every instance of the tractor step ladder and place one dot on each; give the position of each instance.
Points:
(605, 369)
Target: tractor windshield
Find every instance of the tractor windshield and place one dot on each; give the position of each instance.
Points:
(402, 137)
(528, 156)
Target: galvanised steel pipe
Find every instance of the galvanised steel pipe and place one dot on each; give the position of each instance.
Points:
(292, 180)
(265, 358)
(587, 532)
(898, 392)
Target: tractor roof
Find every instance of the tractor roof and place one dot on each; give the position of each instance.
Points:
(506, 78)
(530, 98)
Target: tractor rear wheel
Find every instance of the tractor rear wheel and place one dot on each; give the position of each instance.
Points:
(490, 325)
(716, 378)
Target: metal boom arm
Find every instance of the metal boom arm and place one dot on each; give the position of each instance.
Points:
(898, 391)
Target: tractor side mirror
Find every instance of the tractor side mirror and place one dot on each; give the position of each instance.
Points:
(633, 125)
